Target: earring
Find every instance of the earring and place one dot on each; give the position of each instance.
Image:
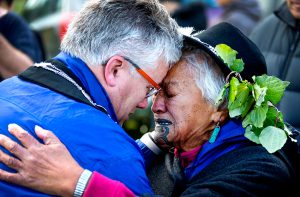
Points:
(214, 134)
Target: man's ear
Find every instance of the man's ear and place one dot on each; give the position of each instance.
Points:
(112, 70)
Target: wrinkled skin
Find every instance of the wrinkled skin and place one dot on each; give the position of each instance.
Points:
(181, 103)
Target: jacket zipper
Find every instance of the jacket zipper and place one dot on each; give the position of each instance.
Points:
(289, 56)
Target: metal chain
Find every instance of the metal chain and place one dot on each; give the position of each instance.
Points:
(59, 72)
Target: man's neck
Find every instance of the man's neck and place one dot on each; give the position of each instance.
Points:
(98, 71)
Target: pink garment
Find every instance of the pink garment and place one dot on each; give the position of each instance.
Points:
(100, 185)
(187, 157)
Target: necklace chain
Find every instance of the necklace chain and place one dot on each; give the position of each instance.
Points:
(54, 69)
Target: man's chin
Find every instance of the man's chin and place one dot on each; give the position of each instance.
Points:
(121, 121)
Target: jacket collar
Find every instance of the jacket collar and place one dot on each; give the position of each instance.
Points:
(284, 14)
(89, 81)
(230, 137)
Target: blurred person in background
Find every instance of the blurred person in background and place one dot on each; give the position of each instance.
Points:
(187, 13)
(278, 37)
(113, 56)
(244, 14)
(19, 47)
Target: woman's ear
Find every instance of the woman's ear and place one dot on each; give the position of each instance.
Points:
(220, 116)
(113, 69)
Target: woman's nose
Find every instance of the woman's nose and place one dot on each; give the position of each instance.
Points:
(158, 105)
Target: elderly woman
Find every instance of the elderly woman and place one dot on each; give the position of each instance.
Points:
(212, 156)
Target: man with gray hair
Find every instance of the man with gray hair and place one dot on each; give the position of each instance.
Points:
(113, 57)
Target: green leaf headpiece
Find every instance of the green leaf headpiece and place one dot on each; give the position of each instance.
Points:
(254, 102)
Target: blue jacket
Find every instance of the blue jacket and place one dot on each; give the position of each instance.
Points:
(96, 141)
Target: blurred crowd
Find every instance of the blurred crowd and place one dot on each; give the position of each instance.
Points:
(244, 14)
(277, 34)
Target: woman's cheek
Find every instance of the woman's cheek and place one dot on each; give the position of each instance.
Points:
(171, 133)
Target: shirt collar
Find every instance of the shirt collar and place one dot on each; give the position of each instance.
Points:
(89, 81)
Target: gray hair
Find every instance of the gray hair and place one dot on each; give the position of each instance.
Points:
(207, 74)
(139, 29)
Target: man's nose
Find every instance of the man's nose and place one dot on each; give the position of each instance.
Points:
(143, 104)
(158, 105)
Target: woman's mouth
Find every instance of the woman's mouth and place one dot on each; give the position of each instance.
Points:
(163, 122)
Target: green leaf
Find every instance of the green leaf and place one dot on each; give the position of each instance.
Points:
(251, 135)
(274, 118)
(272, 138)
(258, 115)
(235, 108)
(247, 121)
(259, 94)
(234, 83)
(275, 87)
(238, 65)
(221, 95)
(247, 106)
(242, 93)
(256, 130)
(227, 54)
(235, 112)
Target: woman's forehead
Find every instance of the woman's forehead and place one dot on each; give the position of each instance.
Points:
(179, 70)
(178, 76)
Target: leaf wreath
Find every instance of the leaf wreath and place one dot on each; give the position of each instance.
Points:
(254, 102)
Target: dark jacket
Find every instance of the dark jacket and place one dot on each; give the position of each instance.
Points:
(231, 166)
(249, 171)
(191, 15)
(278, 38)
(18, 33)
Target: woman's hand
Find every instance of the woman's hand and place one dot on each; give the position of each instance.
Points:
(48, 167)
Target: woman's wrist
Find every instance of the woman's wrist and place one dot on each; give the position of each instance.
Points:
(82, 183)
(68, 185)
(148, 140)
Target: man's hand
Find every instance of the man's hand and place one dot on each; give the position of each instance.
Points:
(48, 167)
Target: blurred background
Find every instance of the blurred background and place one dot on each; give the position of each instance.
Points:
(49, 20)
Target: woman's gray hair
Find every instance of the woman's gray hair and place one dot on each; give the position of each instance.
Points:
(139, 29)
(207, 74)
